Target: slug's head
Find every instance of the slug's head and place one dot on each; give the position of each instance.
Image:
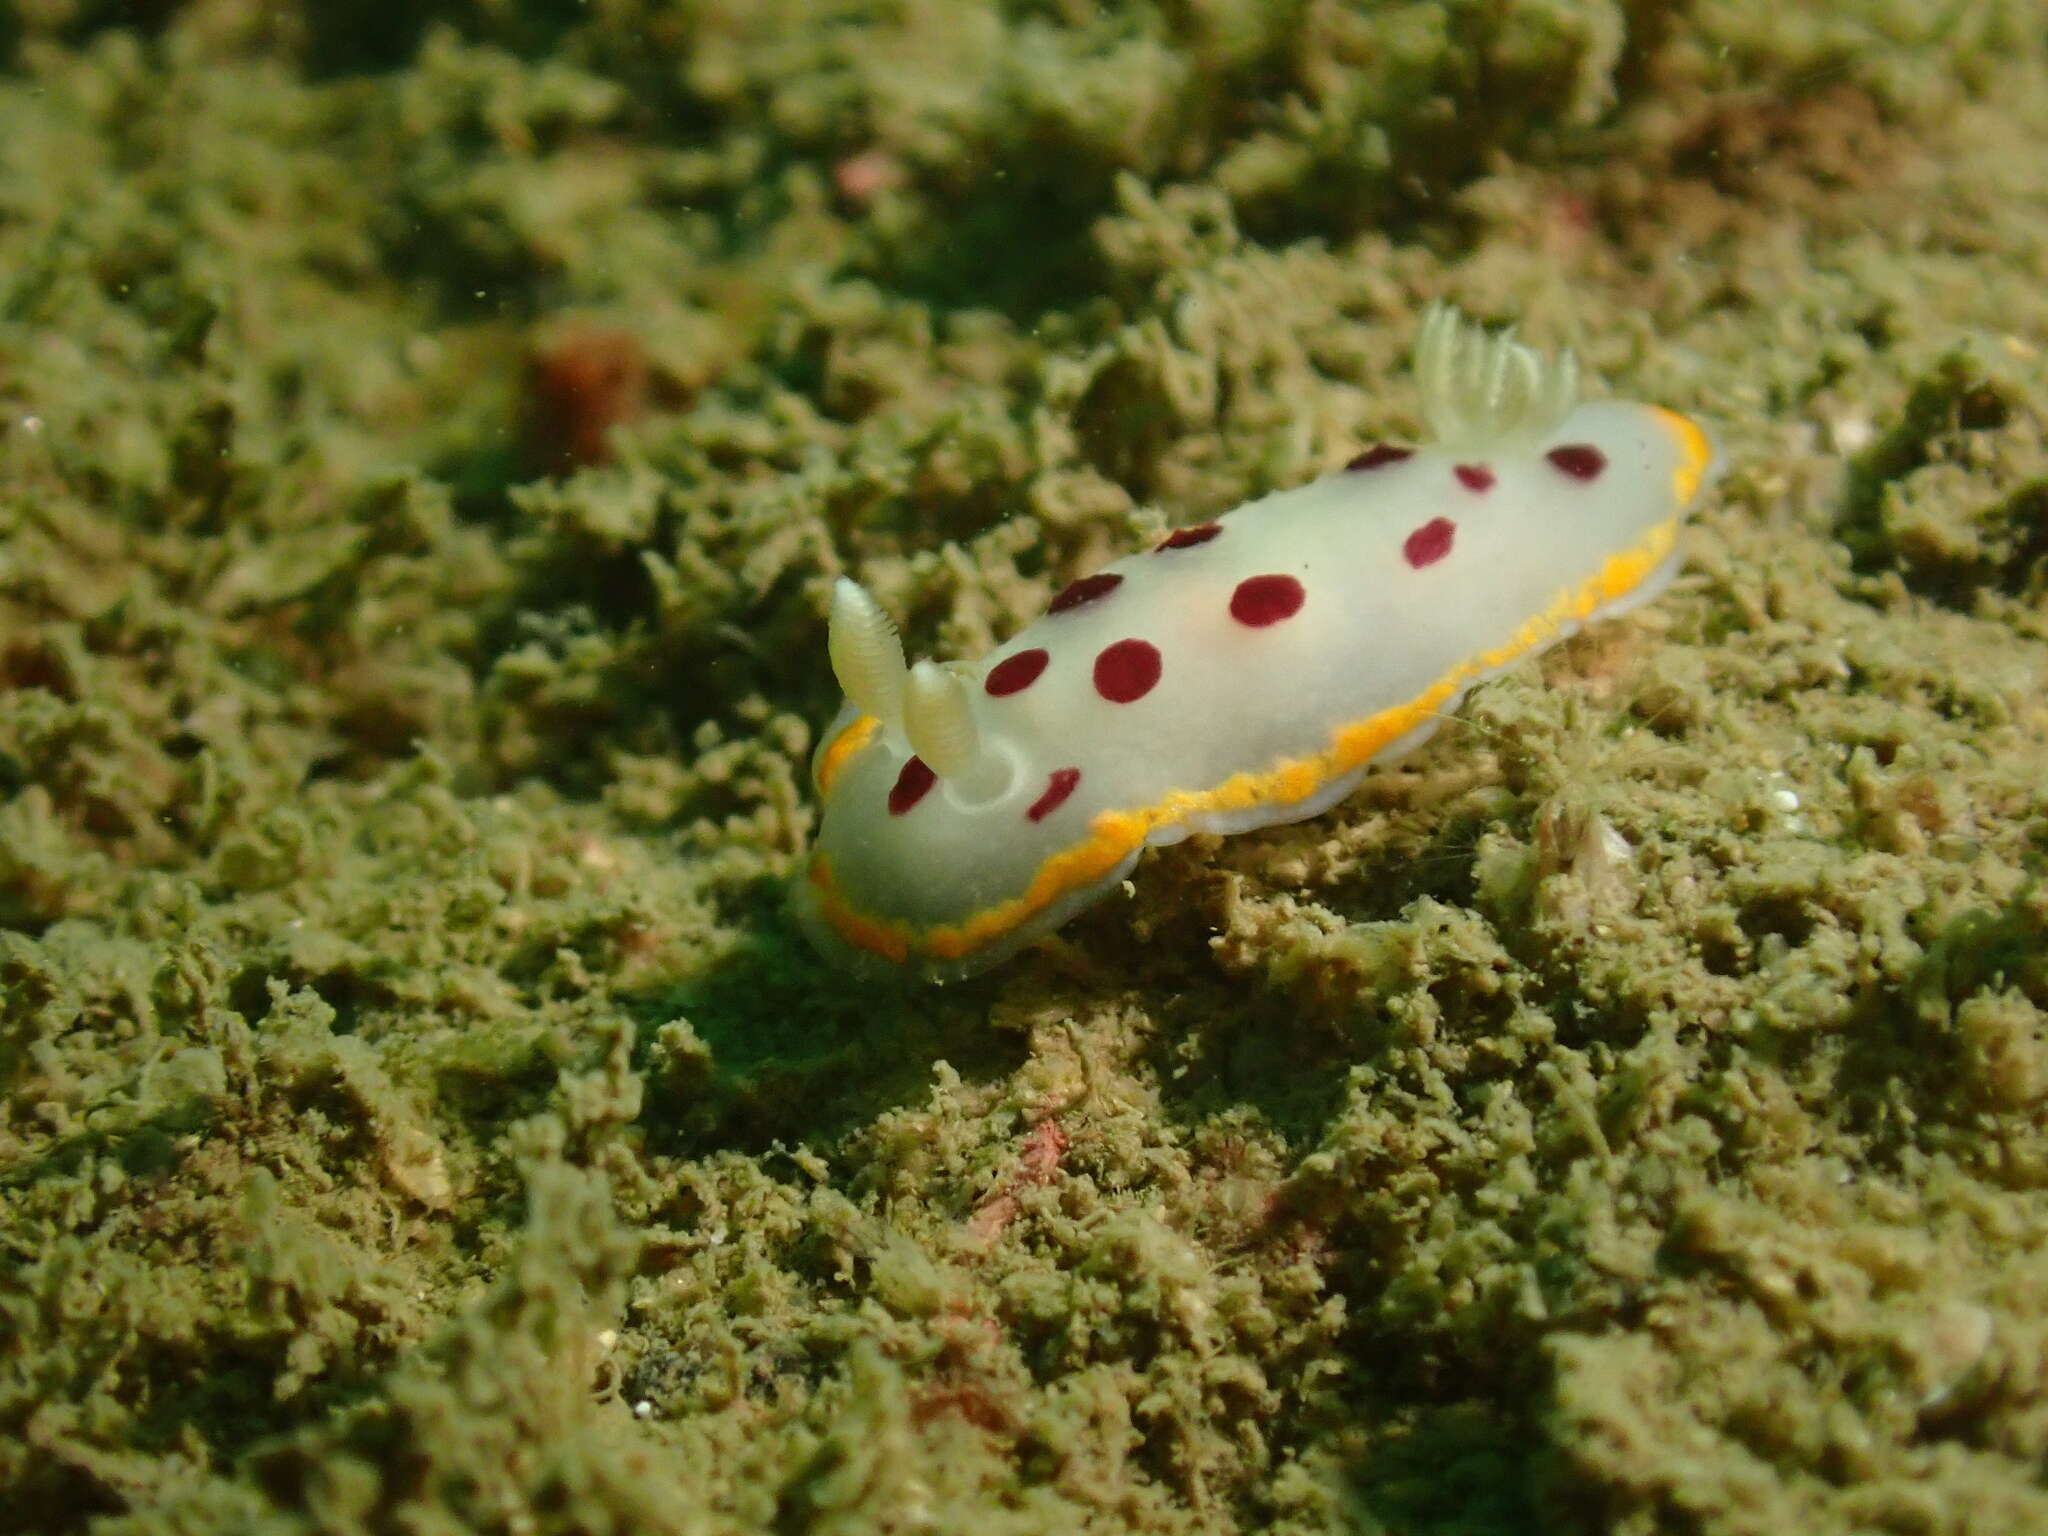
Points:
(943, 847)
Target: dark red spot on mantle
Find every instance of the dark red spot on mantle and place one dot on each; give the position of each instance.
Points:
(912, 785)
(1127, 670)
(1262, 600)
(1088, 589)
(1058, 785)
(1380, 454)
(1474, 477)
(1429, 543)
(1013, 674)
(1188, 538)
(1582, 461)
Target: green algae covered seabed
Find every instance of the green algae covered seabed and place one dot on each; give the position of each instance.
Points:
(428, 437)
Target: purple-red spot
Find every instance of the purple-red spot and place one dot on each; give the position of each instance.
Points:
(1429, 543)
(1127, 670)
(1380, 454)
(1474, 477)
(1262, 600)
(1058, 785)
(1087, 590)
(912, 785)
(1582, 461)
(1013, 674)
(1188, 538)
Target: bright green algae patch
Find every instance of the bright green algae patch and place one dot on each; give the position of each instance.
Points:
(417, 1113)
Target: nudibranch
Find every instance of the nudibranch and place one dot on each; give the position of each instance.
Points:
(1240, 673)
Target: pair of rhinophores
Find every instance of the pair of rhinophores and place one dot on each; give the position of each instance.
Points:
(1242, 672)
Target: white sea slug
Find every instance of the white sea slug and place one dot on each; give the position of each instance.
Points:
(1241, 673)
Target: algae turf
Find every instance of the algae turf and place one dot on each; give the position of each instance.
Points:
(425, 451)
